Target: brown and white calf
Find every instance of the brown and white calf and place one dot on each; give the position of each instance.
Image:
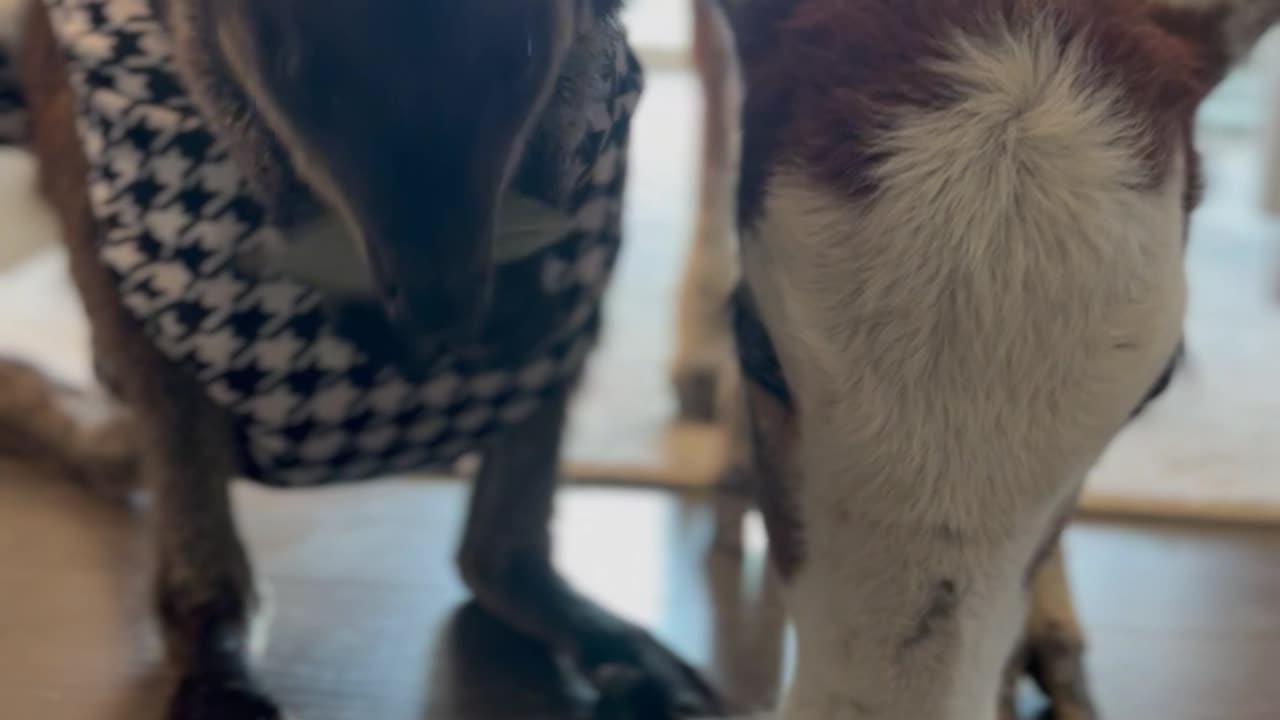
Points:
(961, 241)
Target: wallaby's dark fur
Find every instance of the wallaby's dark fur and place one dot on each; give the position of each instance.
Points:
(183, 444)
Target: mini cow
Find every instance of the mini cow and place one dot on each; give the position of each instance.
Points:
(960, 228)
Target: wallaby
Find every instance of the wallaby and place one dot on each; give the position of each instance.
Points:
(450, 173)
(960, 228)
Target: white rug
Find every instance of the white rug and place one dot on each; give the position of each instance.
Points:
(1209, 450)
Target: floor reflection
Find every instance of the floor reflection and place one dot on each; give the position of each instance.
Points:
(372, 622)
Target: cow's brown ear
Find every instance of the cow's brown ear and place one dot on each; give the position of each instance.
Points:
(1220, 33)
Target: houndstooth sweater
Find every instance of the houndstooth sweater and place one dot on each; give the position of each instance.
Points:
(310, 407)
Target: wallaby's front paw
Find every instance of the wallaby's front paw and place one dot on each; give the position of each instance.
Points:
(640, 679)
(201, 697)
(629, 694)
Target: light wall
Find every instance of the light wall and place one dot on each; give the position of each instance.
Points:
(660, 30)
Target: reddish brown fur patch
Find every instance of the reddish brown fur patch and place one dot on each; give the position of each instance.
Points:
(1203, 31)
(826, 77)
(773, 431)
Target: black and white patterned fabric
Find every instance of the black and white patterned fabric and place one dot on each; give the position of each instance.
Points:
(311, 407)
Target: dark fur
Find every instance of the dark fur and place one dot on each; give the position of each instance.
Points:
(823, 70)
(205, 593)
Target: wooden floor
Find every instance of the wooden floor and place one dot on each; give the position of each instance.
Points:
(371, 621)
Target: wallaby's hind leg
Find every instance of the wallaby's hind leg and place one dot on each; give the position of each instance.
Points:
(204, 591)
(506, 561)
(82, 434)
(204, 588)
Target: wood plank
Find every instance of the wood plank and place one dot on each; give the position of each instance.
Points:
(370, 618)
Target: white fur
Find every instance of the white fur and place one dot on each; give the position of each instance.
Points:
(961, 347)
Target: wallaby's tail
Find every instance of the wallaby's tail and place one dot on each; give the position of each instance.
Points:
(80, 434)
(704, 346)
